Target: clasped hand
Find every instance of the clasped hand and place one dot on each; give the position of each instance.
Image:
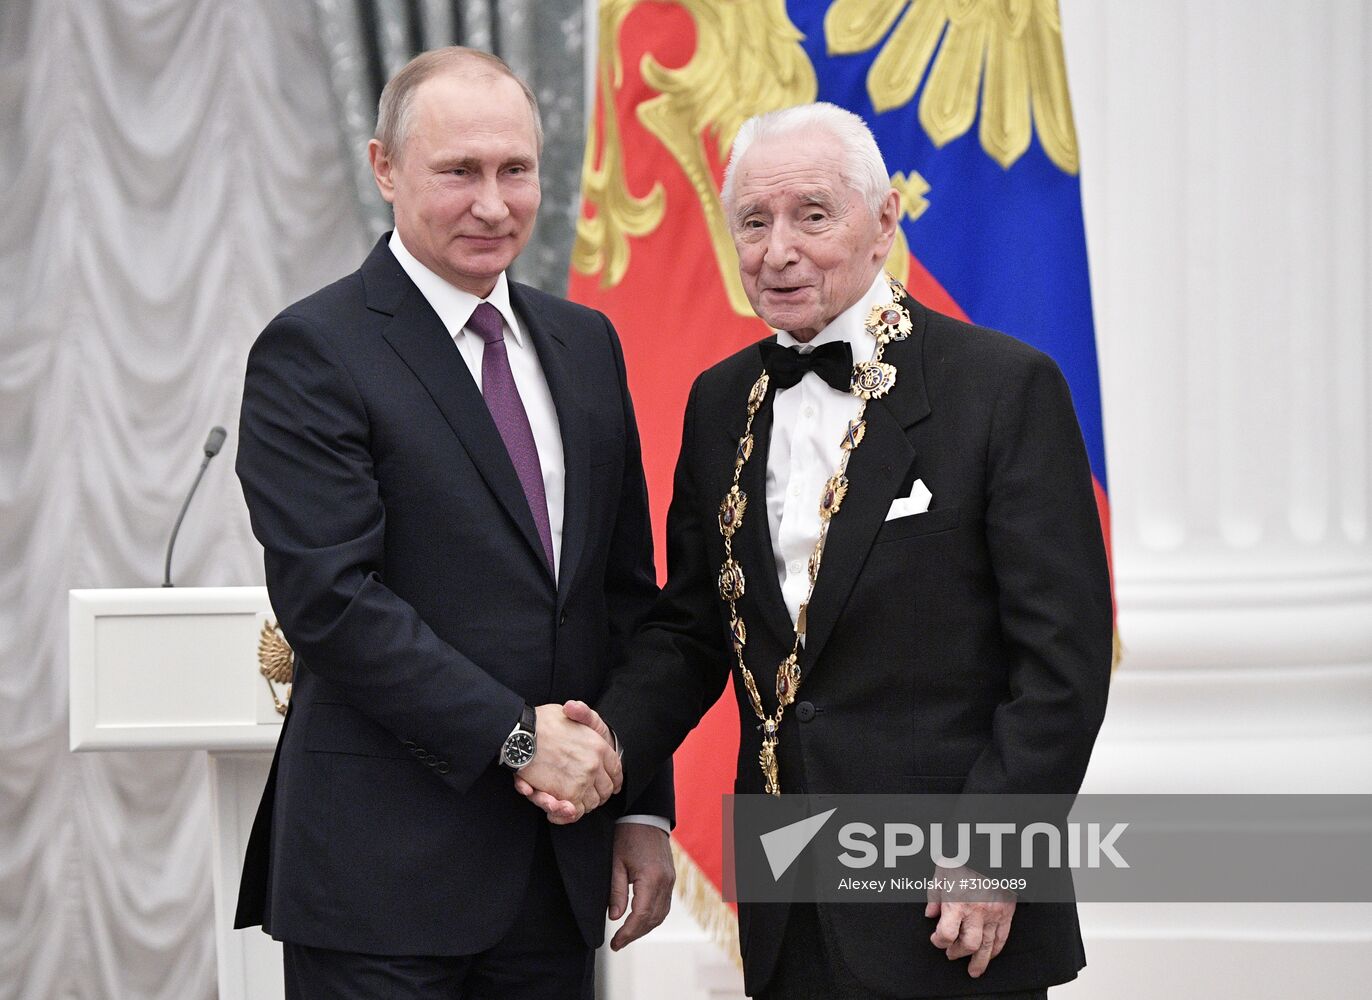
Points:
(576, 768)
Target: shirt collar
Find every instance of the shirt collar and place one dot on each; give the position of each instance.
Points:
(849, 325)
(453, 305)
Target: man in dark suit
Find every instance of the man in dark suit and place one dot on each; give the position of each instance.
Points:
(931, 555)
(443, 469)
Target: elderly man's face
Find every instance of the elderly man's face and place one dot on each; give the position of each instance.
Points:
(465, 184)
(808, 245)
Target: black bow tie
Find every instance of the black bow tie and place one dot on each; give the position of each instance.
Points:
(832, 362)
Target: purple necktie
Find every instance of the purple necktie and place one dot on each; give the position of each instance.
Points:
(507, 410)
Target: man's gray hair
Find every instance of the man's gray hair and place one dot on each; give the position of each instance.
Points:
(396, 109)
(860, 162)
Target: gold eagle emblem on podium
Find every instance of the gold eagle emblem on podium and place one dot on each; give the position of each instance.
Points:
(276, 662)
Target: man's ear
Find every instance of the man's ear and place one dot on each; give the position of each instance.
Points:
(381, 170)
(888, 221)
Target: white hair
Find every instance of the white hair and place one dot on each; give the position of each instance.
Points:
(859, 160)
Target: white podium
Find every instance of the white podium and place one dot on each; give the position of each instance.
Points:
(176, 669)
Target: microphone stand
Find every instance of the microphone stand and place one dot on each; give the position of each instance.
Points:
(212, 445)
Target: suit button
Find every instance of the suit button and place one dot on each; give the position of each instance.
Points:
(410, 743)
(442, 767)
(805, 711)
(563, 619)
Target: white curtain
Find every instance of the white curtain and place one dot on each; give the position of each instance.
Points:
(170, 177)
(367, 41)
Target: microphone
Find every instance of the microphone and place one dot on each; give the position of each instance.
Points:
(212, 445)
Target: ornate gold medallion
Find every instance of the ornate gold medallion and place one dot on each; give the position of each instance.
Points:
(889, 323)
(767, 758)
(731, 511)
(873, 379)
(831, 499)
(853, 436)
(757, 394)
(730, 580)
(739, 632)
(788, 680)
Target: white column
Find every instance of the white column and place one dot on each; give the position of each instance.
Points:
(1225, 175)
(1225, 170)
(249, 960)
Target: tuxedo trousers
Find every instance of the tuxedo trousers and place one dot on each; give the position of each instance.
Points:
(542, 957)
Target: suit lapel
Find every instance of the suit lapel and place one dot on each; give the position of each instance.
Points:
(555, 357)
(875, 473)
(417, 334)
(755, 552)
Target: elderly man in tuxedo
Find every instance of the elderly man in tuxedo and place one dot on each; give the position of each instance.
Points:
(893, 511)
(443, 469)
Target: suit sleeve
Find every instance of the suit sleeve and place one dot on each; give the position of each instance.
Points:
(679, 661)
(305, 464)
(1048, 556)
(631, 585)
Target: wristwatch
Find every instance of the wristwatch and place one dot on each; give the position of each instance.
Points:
(522, 743)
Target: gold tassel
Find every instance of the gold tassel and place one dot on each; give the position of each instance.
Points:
(703, 900)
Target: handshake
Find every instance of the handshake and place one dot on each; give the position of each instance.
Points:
(576, 767)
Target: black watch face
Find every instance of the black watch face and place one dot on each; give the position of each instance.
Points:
(519, 749)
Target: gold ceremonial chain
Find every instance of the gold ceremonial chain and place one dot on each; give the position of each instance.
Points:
(871, 380)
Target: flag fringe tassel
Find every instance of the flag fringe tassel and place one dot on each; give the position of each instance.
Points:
(706, 904)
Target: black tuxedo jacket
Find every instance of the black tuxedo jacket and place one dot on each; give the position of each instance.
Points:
(963, 649)
(406, 571)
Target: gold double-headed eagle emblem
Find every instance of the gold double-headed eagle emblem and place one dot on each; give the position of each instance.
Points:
(1002, 57)
(275, 661)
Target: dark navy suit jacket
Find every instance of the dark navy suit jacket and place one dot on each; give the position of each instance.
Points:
(406, 572)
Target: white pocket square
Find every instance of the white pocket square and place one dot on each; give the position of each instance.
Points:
(916, 503)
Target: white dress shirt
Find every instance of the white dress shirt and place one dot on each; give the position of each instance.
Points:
(455, 308)
(809, 421)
